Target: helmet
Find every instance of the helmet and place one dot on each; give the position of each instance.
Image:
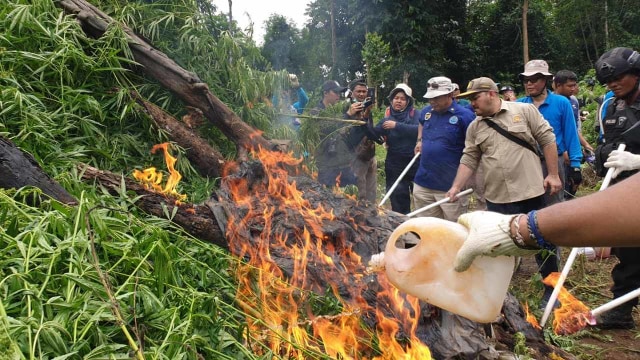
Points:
(616, 62)
(505, 89)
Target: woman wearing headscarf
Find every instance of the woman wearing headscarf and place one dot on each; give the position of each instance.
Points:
(399, 128)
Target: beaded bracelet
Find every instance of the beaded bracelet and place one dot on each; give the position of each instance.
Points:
(534, 231)
(517, 238)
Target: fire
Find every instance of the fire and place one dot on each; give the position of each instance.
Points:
(572, 315)
(152, 178)
(281, 313)
(531, 319)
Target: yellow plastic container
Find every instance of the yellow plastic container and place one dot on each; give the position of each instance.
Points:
(426, 270)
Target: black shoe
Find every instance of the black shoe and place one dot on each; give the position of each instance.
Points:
(616, 318)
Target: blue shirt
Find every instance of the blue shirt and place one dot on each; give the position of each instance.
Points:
(443, 136)
(556, 109)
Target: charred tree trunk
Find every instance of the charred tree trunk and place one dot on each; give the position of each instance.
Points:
(358, 227)
(19, 169)
(208, 161)
(186, 85)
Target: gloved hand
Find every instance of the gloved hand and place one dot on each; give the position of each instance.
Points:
(575, 176)
(489, 236)
(622, 161)
(293, 81)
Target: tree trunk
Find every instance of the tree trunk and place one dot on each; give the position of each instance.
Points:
(186, 85)
(334, 46)
(208, 161)
(19, 169)
(357, 226)
(525, 32)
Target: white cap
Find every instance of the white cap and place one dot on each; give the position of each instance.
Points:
(438, 86)
(401, 87)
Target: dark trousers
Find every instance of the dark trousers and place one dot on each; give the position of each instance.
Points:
(547, 260)
(626, 274)
(401, 196)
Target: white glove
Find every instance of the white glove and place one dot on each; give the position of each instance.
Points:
(488, 235)
(293, 81)
(622, 161)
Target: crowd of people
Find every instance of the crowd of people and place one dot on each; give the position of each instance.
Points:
(522, 156)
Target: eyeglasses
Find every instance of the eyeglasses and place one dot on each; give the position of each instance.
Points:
(434, 86)
(532, 79)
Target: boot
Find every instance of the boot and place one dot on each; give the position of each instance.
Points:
(617, 318)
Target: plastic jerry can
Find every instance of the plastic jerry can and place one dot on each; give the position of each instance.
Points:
(426, 269)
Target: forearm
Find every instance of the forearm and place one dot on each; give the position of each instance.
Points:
(594, 220)
(550, 152)
(462, 176)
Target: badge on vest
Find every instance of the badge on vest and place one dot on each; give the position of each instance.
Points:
(517, 118)
(621, 121)
(453, 120)
(427, 116)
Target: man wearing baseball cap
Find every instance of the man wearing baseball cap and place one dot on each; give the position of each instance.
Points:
(508, 93)
(441, 132)
(503, 140)
(333, 155)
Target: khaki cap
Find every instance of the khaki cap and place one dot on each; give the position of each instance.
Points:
(479, 85)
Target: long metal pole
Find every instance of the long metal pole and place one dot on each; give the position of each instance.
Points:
(395, 184)
(439, 202)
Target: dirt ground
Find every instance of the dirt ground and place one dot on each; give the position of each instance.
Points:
(589, 281)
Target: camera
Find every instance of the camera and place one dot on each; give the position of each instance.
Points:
(367, 102)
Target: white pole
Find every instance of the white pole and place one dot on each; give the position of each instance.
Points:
(572, 257)
(439, 202)
(615, 302)
(395, 184)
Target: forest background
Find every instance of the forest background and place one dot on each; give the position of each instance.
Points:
(65, 100)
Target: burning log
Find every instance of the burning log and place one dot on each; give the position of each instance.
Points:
(20, 169)
(207, 160)
(319, 241)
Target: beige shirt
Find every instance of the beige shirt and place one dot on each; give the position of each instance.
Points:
(511, 172)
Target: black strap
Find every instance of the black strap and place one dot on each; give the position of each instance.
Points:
(509, 136)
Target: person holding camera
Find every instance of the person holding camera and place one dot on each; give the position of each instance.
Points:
(364, 162)
(399, 128)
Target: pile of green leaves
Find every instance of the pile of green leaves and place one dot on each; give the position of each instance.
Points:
(99, 279)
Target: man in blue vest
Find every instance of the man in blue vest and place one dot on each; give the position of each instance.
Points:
(441, 135)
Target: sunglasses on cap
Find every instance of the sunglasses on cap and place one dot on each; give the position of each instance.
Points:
(434, 86)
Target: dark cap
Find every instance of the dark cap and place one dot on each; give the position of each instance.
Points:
(332, 85)
(505, 89)
(480, 84)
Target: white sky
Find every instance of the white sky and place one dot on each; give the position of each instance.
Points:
(260, 10)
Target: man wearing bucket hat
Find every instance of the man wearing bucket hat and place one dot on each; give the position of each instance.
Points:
(399, 128)
(556, 109)
(441, 134)
(504, 140)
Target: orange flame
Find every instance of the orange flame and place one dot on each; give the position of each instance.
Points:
(531, 319)
(280, 313)
(572, 314)
(151, 178)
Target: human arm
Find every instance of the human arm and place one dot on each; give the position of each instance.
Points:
(418, 147)
(462, 176)
(303, 100)
(570, 139)
(569, 223)
(552, 182)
